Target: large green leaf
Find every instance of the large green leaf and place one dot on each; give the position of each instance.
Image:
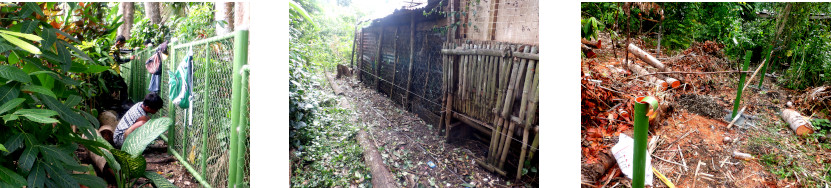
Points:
(49, 38)
(11, 177)
(27, 159)
(54, 152)
(40, 119)
(158, 180)
(13, 143)
(39, 112)
(90, 180)
(24, 35)
(134, 166)
(91, 119)
(38, 89)
(64, 56)
(138, 140)
(64, 111)
(33, 7)
(37, 176)
(20, 43)
(73, 100)
(3, 148)
(9, 92)
(14, 73)
(77, 51)
(11, 105)
(59, 176)
(13, 58)
(29, 26)
(96, 68)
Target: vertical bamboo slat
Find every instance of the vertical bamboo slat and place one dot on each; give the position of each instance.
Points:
(410, 69)
(532, 104)
(509, 132)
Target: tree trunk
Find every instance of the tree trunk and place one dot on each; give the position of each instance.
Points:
(241, 15)
(224, 12)
(152, 10)
(127, 10)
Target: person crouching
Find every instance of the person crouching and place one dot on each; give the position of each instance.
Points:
(136, 117)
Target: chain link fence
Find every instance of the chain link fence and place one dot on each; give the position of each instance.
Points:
(201, 137)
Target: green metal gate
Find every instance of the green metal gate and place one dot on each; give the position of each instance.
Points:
(211, 137)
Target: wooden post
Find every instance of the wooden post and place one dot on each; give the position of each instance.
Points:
(361, 56)
(394, 63)
(354, 39)
(410, 69)
(378, 59)
(532, 110)
(444, 84)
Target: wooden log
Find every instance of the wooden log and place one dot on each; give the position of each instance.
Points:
(381, 177)
(532, 111)
(596, 45)
(410, 69)
(797, 122)
(490, 167)
(475, 51)
(660, 84)
(473, 122)
(643, 55)
(588, 51)
(332, 84)
(378, 60)
(529, 72)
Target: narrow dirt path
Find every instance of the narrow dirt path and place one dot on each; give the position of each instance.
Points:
(414, 152)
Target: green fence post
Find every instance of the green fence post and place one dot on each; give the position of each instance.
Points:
(642, 112)
(171, 111)
(243, 126)
(738, 99)
(240, 58)
(205, 109)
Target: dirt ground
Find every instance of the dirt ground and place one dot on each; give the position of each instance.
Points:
(409, 146)
(161, 162)
(694, 147)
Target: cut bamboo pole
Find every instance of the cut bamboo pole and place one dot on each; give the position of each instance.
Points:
(738, 99)
(504, 73)
(643, 55)
(410, 69)
(529, 120)
(444, 83)
(509, 98)
(523, 103)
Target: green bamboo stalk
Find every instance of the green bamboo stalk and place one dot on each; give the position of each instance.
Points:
(641, 128)
(240, 58)
(765, 66)
(742, 76)
(171, 112)
(190, 169)
(205, 111)
(243, 127)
